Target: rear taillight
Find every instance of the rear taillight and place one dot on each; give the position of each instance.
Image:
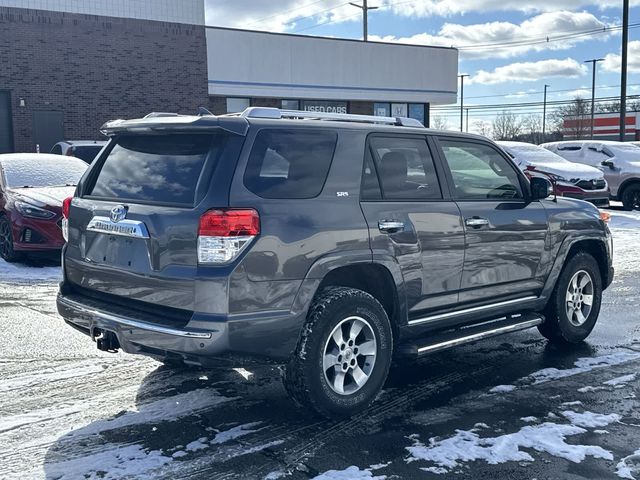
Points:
(66, 206)
(224, 233)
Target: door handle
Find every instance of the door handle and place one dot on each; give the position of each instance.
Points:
(390, 226)
(476, 222)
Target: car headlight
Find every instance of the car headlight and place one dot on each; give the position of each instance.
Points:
(32, 211)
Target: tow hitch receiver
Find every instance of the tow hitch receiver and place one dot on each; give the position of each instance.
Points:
(106, 341)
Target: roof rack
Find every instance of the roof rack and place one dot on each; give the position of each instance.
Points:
(277, 113)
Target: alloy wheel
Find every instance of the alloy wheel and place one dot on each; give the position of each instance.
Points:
(349, 355)
(579, 298)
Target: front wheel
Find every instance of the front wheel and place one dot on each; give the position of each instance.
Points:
(7, 252)
(344, 353)
(631, 197)
(574, 306)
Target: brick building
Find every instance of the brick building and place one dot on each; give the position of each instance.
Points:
(70, 65)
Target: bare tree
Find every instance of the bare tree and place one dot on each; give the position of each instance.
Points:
(506, 126)
(481, 127)
(532, 126)
(574, 119)
(439, 123)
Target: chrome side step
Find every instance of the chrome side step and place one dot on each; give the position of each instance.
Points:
(454, 338)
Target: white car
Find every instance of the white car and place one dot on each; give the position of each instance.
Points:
(619, 161)
(570, 179)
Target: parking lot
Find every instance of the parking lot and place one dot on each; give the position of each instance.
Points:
(512, 407)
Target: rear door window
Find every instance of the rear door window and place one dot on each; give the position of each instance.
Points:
(406, 168)
(290, 163)
(156, 168)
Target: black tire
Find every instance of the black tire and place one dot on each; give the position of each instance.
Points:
(631, 197)
(558, 327)
(7, 253)
(304, 376)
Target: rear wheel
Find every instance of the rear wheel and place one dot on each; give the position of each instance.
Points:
(344, 353)
(6, 242)
(574, 307)
(631, 197)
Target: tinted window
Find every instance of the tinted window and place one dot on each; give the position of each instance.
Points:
(42, 172)
(370, 185)
(479, 172)
(406, 169)
(87, 153)
(158, 168)
(289, 163)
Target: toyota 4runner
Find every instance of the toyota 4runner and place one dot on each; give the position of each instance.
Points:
(329, 243)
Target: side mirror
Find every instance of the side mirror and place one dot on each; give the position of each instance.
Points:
(608, 163)
(541, 188)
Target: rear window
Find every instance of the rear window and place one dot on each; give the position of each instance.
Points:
(290, 163)
(87, 153)
(157, 169)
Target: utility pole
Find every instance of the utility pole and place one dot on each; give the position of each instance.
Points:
(365, 18)
(594, 64)
(544, 114)
(623, 79)
(467, 126)
(462, 101)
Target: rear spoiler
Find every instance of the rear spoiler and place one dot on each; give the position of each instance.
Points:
(159, 122)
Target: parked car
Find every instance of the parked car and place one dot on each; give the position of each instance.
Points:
(326, 242)
(32, 188)
(86, 150)
(619, 161)
(570, 179)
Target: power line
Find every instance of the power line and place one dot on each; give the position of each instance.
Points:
(506, 106)
(297, 19)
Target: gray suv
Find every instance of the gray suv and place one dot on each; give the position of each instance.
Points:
(330, 243)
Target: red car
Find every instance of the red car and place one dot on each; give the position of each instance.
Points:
(32, 189)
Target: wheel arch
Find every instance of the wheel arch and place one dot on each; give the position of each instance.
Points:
(626, 184)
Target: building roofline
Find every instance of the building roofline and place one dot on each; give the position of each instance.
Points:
(319, 37)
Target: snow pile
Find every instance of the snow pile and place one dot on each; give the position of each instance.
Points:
(468, 446)
(220, 437)
(351, 473)
(583, 365)
(27, 273)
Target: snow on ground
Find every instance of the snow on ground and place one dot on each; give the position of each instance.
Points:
(502, 389)
(625, 227)
(50, 374)
(113, 463)
(629, 467)
(28, 273)
(583, 365)
(351, 473)
(621, 380)
(467, 446)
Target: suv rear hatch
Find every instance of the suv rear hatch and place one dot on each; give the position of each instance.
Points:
(133, 227)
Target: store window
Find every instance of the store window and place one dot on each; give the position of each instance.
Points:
(382, 109)
(398, 109)
(416, 110)
(235, 105)
(291, 104)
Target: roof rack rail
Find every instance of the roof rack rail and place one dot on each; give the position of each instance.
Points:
(277, 113)
(161, 114)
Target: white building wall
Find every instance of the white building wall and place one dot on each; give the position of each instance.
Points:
(177, 11)
(256, 64)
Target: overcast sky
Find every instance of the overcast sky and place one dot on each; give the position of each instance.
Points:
(499, 74)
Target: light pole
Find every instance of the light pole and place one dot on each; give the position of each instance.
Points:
(544, 114)
(365, 18)
(594, 64)
(623, 79)
(467, 126)
(462, 101)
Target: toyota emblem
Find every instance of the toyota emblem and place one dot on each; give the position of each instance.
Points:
(118, 213)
